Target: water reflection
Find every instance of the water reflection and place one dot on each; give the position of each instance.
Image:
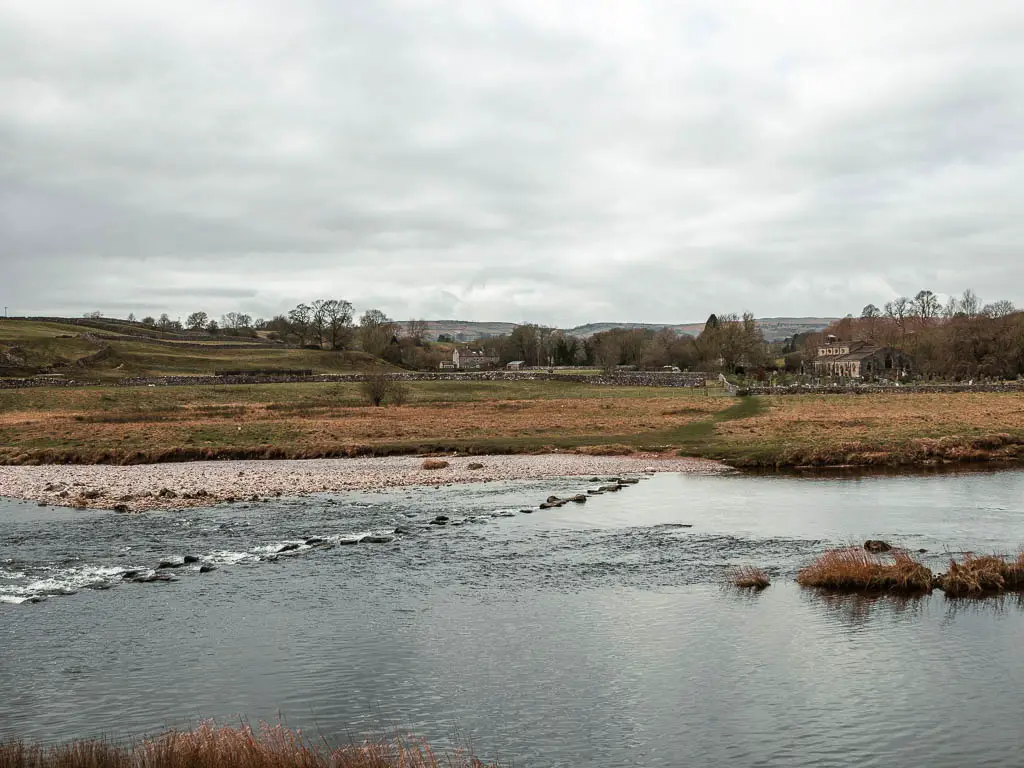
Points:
(856, 610)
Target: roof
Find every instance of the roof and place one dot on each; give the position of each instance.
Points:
(861, 353)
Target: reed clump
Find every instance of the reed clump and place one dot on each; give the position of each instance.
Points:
(750, 577)
(978, 576)
(851, 569)
(211, 746)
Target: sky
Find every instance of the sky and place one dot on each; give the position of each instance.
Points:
(509, 160)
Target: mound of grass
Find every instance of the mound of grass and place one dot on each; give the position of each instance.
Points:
(210, 746)
(750, 577)
(979, 576)
(851, 569)
(435, 464)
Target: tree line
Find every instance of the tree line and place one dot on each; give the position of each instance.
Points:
(320, 324)
(728, 342)
(961, 339)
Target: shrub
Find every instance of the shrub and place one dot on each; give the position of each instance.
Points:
(379, 388)
(435, 464)
(853, 570)
(749, 577)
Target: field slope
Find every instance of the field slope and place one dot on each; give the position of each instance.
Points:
(108, 351)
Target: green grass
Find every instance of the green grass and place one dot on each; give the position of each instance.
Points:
(56, 347)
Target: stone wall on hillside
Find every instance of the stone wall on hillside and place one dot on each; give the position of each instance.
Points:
(630, 379)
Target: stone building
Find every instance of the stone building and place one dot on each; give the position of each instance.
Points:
(860, 360)
(472, 359)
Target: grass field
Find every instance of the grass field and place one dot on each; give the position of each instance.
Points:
(131, 425)
(30, 347)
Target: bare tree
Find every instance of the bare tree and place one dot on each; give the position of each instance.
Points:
(375, 332)
(926, 306)
(416, 329)
(330, 321)
(952, 308)
(1000, 308)
(300, 318)
(970, 304)
(236, 320)
(870, 312)
(131, 317)
(607, 353)
(196, 321)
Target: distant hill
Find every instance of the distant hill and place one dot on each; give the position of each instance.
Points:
(774, 328)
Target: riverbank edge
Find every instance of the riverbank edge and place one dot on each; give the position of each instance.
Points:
(918, 453)
(183, 485)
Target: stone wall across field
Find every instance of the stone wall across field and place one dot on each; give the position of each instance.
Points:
(628, 379)
(888, 389)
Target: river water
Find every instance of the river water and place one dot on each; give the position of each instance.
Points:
(596, 634)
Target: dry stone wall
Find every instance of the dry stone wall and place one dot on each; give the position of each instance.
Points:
(630, 379)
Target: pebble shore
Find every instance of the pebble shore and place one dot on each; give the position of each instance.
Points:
(196, 484)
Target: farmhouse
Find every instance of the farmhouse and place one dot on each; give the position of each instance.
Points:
(860, 360)
(472, 359)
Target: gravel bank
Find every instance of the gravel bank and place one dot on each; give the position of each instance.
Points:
(177, 486)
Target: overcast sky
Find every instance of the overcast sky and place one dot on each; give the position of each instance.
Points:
(528, 160)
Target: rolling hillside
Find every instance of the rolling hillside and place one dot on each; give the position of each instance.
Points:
(774, 328)
(108, 351)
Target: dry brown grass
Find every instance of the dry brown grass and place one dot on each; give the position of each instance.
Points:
(92, 425)
(878, 429)
(750, 577)
(435, 464)
(299, 421)
(210, 746)
(851, 569)
(978, 576)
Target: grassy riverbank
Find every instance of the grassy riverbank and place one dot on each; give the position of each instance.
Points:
(223, 747)
(153, 424)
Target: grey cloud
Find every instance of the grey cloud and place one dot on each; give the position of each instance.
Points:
(508, 161)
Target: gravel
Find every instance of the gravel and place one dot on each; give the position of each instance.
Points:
(197, 484)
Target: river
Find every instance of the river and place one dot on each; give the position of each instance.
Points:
(594, 634)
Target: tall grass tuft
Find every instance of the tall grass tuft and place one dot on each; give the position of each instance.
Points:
(985, 575)
(212, 746)
(852, 569)
(749, 577)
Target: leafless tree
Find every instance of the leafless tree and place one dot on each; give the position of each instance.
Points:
(337, 315)
(300, 318)
(196, 321)
(970, 304)
(926, 306)
(375, 332)
(416, 329)
(1000, 308)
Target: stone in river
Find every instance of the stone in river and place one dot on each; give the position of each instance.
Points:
(288, 548)
(877, 546)
(189, 559)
